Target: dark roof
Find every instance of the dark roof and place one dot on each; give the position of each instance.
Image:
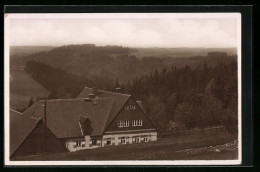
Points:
(63, 115)
(20, 127)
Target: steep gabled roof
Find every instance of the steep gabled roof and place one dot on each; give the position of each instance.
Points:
(63, 115)
(119, 100)
(20, 127)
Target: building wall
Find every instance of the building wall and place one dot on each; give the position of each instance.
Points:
(116, 137)
(86, 143)
(41, 140)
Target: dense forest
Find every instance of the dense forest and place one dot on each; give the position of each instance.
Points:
(190, 98)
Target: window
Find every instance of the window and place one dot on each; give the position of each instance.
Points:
(145, 139)
(123, 140)
(126, 124)
(108, 141)
(120, 124)
(134, 122)
(78, 143)
(140, 122)
(94, 142)
(136, 139)
(130, 107)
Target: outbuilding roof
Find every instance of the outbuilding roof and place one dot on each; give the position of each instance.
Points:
(20, 127)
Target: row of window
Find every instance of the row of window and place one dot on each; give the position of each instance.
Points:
(130, 107)
(123, 140)
(80, 143)
(126, 123)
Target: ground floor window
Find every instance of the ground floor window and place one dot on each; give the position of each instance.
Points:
(108, 141)
(94, 141)
(123, 140)
(136, 139)
(145, 139)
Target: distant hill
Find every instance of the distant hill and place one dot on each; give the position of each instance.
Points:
(113, 62)
(27, 50)
(180, 52)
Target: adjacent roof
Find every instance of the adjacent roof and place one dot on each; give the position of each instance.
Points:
(20, 127)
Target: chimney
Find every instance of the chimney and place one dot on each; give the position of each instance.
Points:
(118, 90)
(91, 96)
(95, 91)
(87, 99)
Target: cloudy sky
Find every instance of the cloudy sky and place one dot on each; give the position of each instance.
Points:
(127, 30)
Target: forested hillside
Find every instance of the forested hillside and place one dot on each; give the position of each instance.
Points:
(178, 93)
(185, 97)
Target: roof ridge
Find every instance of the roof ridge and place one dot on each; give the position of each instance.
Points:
(16, 111)
(65, 100)
(104, 127)
(107, 91)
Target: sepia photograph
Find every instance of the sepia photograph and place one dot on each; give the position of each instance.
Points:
(122, 88)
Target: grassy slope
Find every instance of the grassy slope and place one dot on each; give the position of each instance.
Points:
(22, 86)
(163, 149)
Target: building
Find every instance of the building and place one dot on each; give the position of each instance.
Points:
(29, 136)
(97, 118)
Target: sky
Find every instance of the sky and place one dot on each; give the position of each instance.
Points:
(169, 31)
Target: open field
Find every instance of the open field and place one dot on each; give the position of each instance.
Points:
(23, 87)
(170, 148)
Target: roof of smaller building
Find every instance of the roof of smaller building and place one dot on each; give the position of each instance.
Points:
(20, 127)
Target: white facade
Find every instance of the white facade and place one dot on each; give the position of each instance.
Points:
(110, 139)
